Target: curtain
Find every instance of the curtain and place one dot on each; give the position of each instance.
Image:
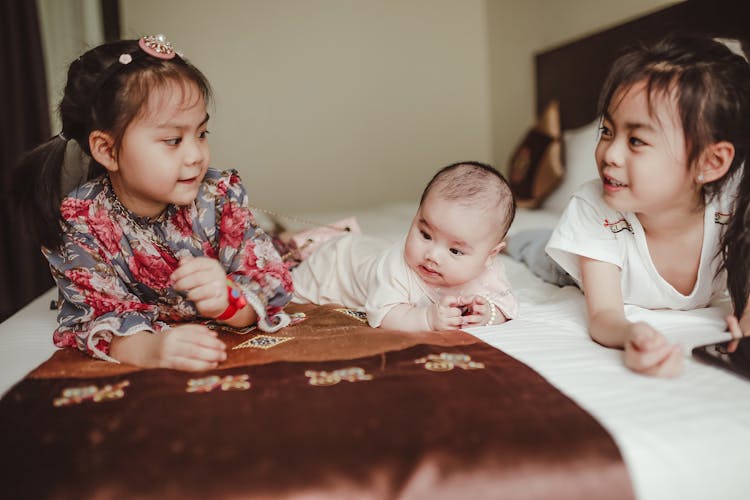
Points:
(25, 123)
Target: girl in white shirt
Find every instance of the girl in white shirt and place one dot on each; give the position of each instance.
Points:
(675, 129)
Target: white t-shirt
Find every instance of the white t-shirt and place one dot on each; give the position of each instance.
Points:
(370, 274)
(590, 228)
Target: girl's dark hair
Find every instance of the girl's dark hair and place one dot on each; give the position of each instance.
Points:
(101, 93)
(712, 86)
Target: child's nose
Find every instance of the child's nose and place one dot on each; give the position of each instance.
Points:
(194, 153)
(613, 152)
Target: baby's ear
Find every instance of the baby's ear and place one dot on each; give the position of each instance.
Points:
(493, 253)
(102, 149)
(715, 161)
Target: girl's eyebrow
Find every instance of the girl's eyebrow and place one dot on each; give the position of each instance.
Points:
(182, 126)
(631, 125)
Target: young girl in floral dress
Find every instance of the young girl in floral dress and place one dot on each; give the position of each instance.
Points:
(155, 242)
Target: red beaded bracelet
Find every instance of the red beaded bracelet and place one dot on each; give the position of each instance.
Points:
(236, 301)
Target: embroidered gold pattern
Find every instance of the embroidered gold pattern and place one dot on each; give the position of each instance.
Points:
(262, 342)
(351, 374)
(358, 315)
(213, 382)
(78, 395)
(446, 361)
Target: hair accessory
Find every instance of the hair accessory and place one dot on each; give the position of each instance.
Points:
(125, 59)
(157, 46)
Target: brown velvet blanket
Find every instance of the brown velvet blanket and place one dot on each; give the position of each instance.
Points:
(326, 408)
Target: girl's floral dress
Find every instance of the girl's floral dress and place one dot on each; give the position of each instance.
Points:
(113, 267)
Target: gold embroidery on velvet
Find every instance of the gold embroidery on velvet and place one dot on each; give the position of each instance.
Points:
(358, 315)
(262, 342)
(78, 395)
(446, 361)
(351, 374)
(213, 382)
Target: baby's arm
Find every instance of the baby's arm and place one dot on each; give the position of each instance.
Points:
(646, 350)
(445, 315)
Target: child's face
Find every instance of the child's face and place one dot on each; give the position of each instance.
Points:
(642, 156)
(164, 153)
(450, 244)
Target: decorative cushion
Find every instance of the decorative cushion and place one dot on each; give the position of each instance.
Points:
(536, 167)
(580, 165)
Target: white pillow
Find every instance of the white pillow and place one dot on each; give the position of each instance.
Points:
(580, 166)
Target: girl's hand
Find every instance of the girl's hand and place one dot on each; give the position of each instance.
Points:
(446, 314)
(648, 352)
(188, 347)
(733, 325)
(205, 282)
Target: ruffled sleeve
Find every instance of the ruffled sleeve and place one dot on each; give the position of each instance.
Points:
(95, 302)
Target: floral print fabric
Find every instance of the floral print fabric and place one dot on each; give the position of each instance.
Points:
(112, 269)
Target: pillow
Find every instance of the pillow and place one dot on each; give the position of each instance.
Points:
(580, 165)
(536, 166)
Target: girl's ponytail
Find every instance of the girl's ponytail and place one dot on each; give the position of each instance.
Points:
(36, 190)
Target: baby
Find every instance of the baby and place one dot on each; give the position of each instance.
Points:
(445, 274)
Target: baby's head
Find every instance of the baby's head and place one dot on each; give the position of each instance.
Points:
(697, 96)
(460, 225)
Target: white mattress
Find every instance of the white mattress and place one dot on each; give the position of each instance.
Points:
(684, 438)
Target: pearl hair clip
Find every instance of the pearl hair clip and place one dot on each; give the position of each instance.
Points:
(157, 46)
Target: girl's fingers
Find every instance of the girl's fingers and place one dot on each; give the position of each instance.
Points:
(642, 360)
(734, 327)
(215, 291)
(670, 366)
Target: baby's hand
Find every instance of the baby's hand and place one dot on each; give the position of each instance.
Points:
(205, 282)
(481, 313)
(446, 315)
(648, 352)
(188, 347)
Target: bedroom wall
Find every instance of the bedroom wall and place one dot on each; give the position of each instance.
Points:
(331, 104)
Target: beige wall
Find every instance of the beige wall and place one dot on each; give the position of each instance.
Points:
(332, 104)
(520, 29)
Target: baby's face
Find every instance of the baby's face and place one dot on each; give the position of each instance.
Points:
(449, 243)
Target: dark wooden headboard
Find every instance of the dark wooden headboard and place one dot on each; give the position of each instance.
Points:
(574, 73)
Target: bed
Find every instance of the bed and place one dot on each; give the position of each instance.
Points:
(328, 408)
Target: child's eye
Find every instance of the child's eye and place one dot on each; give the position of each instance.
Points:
(204, 134)
(425, 235)
(173, 142)
(456, 251)
(634, 141)
(605, 132)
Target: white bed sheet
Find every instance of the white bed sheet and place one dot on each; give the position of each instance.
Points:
(684, 438)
